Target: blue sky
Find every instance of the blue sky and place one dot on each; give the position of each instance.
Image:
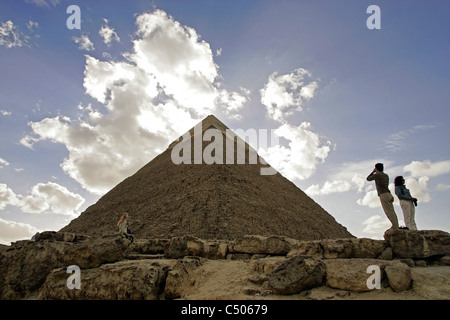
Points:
(82, 109)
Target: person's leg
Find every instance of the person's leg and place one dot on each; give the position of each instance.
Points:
(412, 216)
(387, 202)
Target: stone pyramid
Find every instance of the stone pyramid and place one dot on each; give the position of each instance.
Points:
(223, 200)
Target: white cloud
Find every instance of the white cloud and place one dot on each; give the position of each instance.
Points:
(50, 197)
(44, 3)
(5, 113)
(12, 231)
(84, 43)
(108, 34)
(427, 168)
(396, 141)
(3, 162)
(10, 36)
(375, 226)
(163, 88)
(300, 158)
(282, 95)
(329, 187)
(7, 197)
(370, 199)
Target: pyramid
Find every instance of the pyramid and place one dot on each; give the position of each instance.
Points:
(227, 199)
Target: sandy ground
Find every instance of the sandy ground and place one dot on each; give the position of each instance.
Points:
(220, 280)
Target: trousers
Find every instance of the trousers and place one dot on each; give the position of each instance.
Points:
(387, 202)
(409, 212)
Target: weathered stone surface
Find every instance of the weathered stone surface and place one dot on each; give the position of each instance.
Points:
(267, 265)
(254, 244)
(26, 263)
(399, 276)
(337, 248)
(296, 274)
(179, 247)
(367, 248)
(418, 244)
(131, 280)
(149, 246)
(307, 248)
(432, 282)
(180, 278)
(351, 274)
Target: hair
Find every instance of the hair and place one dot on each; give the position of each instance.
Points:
(380, 167)
(123, 218)
(398, 181)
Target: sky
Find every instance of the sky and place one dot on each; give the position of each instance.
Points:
(89, 94)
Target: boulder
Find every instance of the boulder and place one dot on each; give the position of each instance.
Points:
(130, 280)
(352, 274)
(399, 276)
(296, 274)
(180, 278)
(27, 263)
(418, 244)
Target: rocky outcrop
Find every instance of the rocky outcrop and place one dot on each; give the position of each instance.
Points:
(25, 265)
(418, 244)
(296, 274)
(114, 267)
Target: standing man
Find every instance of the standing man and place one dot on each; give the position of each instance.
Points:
(386, 198)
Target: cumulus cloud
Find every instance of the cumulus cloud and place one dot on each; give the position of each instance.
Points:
(375, 226)
(7, 196)
(304, 151)
(163, 87)
(51, 196)
(11, 36)
(84, 43)
(12, 231)
(284, 94)
(48, 197)
(108, 33)
(427, 168)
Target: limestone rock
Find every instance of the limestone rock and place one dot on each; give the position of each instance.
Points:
(180, 278)
(399, 276)
(296, 274)
(351, 274)
(368, 248)
(432, 282)
(27, 263)
(418, 244)
(254, 244)
(179, 247)
(308, 248)
(130, 280)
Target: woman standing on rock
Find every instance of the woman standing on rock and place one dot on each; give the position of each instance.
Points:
(123, 223)
(407, 202)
